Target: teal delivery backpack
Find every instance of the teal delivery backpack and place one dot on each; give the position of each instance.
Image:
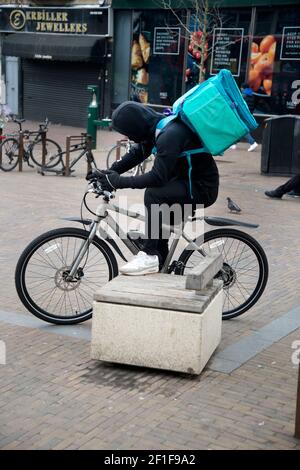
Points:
(216, 111)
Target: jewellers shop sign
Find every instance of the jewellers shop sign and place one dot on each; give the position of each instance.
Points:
(56, 20)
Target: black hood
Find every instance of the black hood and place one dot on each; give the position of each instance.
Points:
(136, 121)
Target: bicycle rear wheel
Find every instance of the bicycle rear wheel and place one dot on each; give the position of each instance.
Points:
(42, 270)
(116, 153)
(245, 268)
(52, 153)
(9, 154)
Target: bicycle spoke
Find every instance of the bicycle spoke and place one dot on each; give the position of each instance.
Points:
(47, 282)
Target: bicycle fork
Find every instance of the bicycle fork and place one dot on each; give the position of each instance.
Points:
(82, 252)
(100, 214)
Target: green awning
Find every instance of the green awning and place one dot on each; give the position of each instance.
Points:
(147, 4)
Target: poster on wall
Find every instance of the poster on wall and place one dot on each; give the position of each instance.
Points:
(227, 50)
(156, 58)
(166, 41)
(260, 74)
(290, 44)
(140, 56)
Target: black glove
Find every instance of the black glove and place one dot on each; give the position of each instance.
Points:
(109, 180)
(95, 174)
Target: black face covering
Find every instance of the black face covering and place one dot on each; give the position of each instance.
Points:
(136, 121)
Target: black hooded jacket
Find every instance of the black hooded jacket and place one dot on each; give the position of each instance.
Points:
(138, 122)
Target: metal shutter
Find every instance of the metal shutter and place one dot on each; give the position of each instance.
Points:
(58, 90)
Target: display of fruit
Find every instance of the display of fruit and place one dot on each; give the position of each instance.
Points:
(140, 57)
(194, 47)
(136, 56)
(266, 43)
(261, 64)
(195, 51)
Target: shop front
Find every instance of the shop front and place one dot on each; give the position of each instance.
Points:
(161, 60)
(51, 56)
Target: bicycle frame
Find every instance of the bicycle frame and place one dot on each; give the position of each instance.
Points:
(103, 214)
(28, 141)
(74, 148)
(76, 159)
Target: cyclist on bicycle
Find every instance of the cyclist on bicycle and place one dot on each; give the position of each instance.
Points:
(168, 181)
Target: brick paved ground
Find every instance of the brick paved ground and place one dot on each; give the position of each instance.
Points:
(54, 396)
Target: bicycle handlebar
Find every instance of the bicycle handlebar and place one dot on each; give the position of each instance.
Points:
(43, 126)
(95, 187)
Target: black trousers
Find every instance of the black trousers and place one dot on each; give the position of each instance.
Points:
(292, 184)
(158, 199)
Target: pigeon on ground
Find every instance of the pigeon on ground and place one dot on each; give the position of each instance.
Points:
(232, 206)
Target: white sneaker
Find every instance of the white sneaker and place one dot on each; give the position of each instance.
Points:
(141, 264)
(252, 147)
(232, 147)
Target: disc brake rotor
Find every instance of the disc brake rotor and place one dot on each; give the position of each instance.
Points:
(63, 283)
(228, 275)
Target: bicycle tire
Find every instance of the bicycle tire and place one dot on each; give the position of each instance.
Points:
(10, 151)
(54, 153)
(26, 265)
(231, 270)
(111, 158)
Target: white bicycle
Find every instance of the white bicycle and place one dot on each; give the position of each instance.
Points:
(58, 272)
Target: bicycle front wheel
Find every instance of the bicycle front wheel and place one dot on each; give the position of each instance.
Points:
(52, 153)
(116, 153)
(9, 154)
(245, 268)
(42, 275)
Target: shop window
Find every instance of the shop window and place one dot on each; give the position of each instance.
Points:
(274, 72)
(227, 45)
(157, 56)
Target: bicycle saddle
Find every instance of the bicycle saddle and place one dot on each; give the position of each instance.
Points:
(19, 121)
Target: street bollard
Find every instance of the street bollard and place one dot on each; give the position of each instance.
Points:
(93, 115)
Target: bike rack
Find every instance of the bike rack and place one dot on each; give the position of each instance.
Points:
(43, 136)
(297, 420)
(21, 151)
(119, 142)
(69, 139)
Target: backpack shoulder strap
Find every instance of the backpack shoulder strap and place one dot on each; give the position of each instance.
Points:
(163, 122)
(187, 154)
(160, 125)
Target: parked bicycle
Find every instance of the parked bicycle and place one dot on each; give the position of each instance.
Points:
(33, 147)
(83, 146)
(58, 272)
(118, 151)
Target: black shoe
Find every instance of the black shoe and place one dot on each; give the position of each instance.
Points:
(274, 194)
